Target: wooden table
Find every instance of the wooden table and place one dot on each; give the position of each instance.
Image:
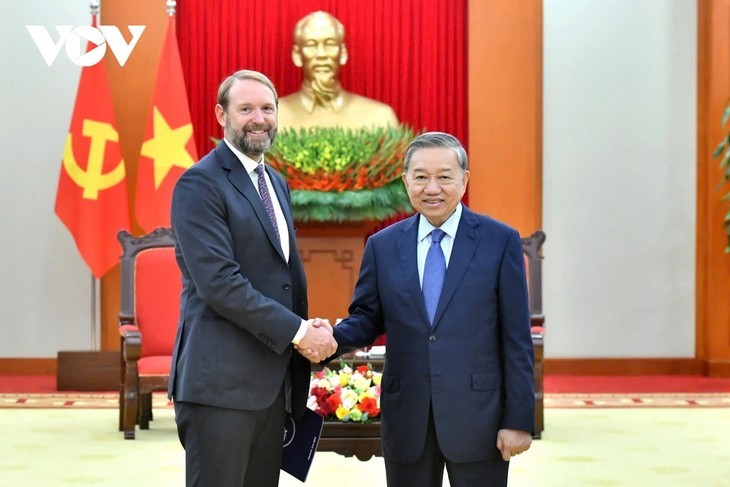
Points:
(361, 440)
(351, 439)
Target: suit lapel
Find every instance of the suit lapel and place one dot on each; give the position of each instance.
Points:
(242, 182)
(284, 203)
(408, 251)
(462, 253)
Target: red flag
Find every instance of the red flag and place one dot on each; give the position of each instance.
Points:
(92, 194)
(169, 147)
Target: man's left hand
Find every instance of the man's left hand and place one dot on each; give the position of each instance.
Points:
(513, 442)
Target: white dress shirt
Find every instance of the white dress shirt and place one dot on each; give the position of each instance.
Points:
(450, 226)
(250, 166)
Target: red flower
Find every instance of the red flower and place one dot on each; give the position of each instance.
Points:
(369, 405)
(329, 405)
(320, 393)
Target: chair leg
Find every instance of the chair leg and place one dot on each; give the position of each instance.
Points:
(145, 410)
(537, 341)
(539, 417)
(130, 400)
(121, 407)
(122, 375)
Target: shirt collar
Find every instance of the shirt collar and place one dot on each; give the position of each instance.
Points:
(248, 164)
(449, 226)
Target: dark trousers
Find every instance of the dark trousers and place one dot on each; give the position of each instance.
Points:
(229, 447)
(428, 471)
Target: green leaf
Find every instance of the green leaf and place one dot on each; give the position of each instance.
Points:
(335, 150)
(351, 206)
(719, 149)
(726, 115)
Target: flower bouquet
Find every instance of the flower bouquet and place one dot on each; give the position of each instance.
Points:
(347, 394)
(343, 175)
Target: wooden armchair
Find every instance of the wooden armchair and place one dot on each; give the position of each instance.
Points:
(532, 248)
(149, 311)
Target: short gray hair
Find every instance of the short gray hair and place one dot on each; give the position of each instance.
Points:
(436, 139)
(225, 86)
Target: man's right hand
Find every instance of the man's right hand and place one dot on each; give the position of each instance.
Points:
(318, 342)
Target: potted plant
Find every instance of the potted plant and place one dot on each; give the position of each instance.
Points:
(343, 175)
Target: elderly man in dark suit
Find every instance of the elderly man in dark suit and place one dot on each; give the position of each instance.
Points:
(448, 287)
(244, 300)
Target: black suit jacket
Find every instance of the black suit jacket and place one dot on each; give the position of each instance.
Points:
(241, 303)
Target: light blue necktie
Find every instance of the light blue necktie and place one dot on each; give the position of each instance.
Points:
(433, 274)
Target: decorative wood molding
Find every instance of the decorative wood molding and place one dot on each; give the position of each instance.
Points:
(717, 368)
(88, 371)
(624, 366)
(27, 366)
(332, 265)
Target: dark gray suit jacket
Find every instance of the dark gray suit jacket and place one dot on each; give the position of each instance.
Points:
(241, 302)
(474, 366)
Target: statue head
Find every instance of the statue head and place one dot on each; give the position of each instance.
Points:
(319, 49)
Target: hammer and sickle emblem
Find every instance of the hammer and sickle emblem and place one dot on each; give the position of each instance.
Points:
(93, 179)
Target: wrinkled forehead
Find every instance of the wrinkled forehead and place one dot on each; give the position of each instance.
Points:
(434, 159)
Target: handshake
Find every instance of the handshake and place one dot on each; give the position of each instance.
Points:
(318, 343)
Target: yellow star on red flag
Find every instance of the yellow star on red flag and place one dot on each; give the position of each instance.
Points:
(168, 147)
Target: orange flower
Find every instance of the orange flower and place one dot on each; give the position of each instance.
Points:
(369, 405)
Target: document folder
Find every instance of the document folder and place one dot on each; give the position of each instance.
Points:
(300, 443)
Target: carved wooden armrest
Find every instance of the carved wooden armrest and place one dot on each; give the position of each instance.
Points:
(131, 342)
(537, 324)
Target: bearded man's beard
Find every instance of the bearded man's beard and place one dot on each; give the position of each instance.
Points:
(241, 141)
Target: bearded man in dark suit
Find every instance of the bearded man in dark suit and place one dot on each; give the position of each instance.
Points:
(244, 300)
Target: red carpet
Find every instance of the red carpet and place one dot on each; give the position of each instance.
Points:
(27, 383)
(562, 391)
(568, 384)
(554, 384)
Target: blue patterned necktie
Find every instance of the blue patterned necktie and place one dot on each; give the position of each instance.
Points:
(266, 198)
(433, 274)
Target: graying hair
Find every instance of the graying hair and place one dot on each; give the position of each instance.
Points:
(436, 139)
(225, 86)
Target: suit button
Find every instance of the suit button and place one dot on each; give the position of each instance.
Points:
(432, 338)
(428, 377)
(286, 287)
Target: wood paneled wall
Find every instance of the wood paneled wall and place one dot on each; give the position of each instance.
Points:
(131, 87)
(505, 111)
(713, 265)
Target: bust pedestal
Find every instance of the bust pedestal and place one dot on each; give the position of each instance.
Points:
(331, 254)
